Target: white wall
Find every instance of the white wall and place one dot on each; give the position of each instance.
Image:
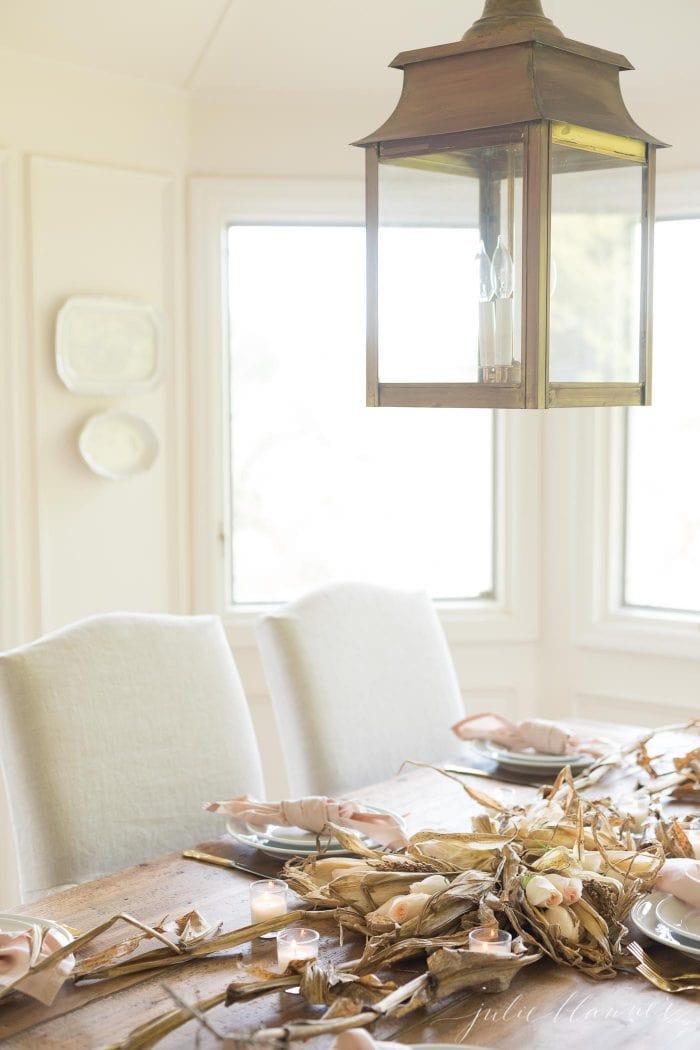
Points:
(93, 172)
(92, 197)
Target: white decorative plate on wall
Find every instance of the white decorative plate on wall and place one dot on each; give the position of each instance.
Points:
(109, 346)
(117, 445)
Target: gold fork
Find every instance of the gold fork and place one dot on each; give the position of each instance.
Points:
(647, 963)
(666, 986)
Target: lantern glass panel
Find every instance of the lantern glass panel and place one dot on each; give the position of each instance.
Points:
(596, 267)
(446, 314)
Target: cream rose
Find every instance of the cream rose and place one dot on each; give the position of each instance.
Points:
(404, 907)
(433, 884)
(570, 888)
(541, 892)
(562, 917)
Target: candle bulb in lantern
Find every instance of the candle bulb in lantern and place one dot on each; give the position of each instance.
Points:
(503, 284)
(487, 323)
(296, 944)
(489, 940)
(268, 900)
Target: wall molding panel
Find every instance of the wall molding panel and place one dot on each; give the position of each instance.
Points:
(103, 229)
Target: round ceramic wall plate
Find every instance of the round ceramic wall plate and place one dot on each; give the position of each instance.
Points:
(118, 445)
(109, 346)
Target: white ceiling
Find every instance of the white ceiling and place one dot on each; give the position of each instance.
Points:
(219, 47)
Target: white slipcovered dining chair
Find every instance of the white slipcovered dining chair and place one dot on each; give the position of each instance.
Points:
(360, 678)
(113, 733)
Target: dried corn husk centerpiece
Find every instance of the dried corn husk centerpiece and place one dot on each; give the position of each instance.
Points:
(560, 874)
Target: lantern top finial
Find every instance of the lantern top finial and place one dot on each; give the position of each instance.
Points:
(500, 17)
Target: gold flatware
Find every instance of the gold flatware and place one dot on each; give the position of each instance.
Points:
(222, 862)
(685, 982)
(505, 777)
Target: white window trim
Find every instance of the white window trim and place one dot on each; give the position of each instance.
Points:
(214, 204)
(602, 620)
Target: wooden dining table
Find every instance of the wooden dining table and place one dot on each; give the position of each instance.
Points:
(547, 1006)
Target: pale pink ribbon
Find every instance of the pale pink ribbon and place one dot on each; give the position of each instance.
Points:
(681, 877)
(15, 954)
(312, 814)
(359, 1039)
(547, 737)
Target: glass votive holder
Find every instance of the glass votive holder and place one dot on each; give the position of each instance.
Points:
(296, 944)
(636, 808)
(506, 797)
(489, 940)
(268, 900)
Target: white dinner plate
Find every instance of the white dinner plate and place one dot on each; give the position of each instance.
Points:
(295, 846)
(297, 838)
(443, 1046)
(682, 918)
(645, 917)
(11, 923)
(536, 761)
(266, 846)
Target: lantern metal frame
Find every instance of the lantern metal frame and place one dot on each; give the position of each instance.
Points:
(513, 77)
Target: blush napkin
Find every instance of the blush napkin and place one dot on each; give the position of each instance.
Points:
(359, 1039)
(546, 737)
(681, 877)
(15, 954)
(313, 813)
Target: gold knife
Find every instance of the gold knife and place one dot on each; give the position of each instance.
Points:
(506, 778)
(223, 862)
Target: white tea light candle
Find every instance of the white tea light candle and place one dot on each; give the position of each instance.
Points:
(268, 900)
(637, 808)
(489, 940)
(296, 944)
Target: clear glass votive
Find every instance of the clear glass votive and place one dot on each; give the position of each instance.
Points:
(268, 900)
(296, 944)
(636, 807)
(489, 940)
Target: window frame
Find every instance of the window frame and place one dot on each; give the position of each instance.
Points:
(603, 620)
(216, 204)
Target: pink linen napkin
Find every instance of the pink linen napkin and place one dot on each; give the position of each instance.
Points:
(313, 813)
(546, 737)
(15, 954)
(359, 1039)
(681, 877)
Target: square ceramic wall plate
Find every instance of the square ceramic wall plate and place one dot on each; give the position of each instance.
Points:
(109, 346)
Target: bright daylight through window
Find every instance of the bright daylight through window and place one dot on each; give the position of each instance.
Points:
(662, 562)
(323, 488)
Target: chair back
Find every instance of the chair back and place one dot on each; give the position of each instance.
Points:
(361, 678)
(114, 732)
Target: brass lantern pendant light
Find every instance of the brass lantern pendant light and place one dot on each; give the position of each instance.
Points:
(510, 219)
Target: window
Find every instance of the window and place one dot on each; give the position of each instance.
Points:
(662, 552)
(323, 488)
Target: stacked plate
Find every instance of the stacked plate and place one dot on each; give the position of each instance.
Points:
(529, 761)
(669, 921)
(296, 842)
